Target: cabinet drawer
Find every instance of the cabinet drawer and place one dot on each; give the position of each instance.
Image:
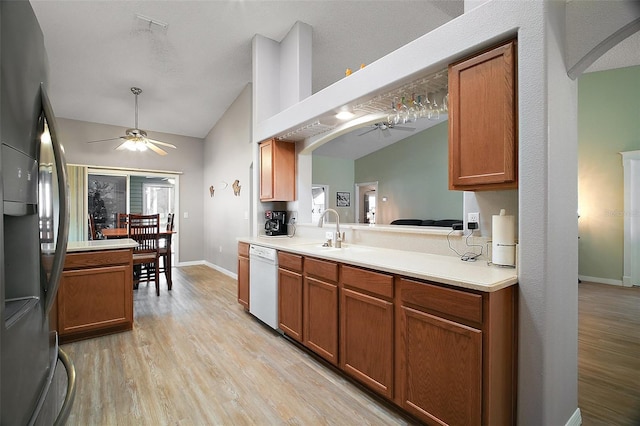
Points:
(373, 282)
(243, 249)
(97, 258)
(460, 304)
(321, 269)
(290, 261)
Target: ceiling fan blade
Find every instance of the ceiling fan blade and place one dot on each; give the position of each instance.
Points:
(122, 146)
(368, 131)
(104, 140)
(162, 143)
(155, 149)
(406, 129)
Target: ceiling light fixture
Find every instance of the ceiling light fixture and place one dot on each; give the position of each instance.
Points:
(345, 115)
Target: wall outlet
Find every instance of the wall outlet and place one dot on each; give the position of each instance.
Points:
(328, 235)
(293, 217)
(474, 217)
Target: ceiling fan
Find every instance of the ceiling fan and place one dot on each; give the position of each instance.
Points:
(136, 139)
(385, 128)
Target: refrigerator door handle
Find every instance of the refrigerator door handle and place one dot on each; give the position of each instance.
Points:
(63, 197)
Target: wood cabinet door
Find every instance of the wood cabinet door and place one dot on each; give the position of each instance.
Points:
(266, 170)
(243, 281)
(95, 298)
(366, 340)
(277, 170)
(321, 318)
(440, 363)
(482, 121)
(290, 303)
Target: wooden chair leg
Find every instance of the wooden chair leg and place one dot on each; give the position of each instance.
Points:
(157, 274)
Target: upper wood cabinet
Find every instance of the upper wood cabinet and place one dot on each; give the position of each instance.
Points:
(277, 170)
(483, 149)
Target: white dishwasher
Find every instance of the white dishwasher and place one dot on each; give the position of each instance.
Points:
(263, 284)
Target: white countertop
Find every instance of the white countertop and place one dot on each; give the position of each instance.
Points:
(95, 245)
(437, 268)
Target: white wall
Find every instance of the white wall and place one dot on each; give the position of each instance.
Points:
(187, 158)
(547, 376)
(227, 157)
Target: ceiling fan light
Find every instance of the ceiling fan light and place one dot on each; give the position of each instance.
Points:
(141, 146)
(345, 115)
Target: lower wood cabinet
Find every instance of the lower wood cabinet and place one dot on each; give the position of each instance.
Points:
(320, 309)
(446, 355)
(95, 296)
(441, 369)
(455, 354)
(243, 275)
(366, 328)
(290, 292)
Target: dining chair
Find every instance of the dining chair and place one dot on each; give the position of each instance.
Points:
(164, 248)
(123, 220)
(93, 233)
(145, 230)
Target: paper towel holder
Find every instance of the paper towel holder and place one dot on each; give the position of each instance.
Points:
(490, 254)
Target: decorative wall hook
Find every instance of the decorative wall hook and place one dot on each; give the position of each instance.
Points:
(236, 188)
(211, 190)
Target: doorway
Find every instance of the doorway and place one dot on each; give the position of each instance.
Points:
(319, 194)
(366, 202)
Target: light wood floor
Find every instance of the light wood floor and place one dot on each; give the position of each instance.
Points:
(609, 354)
(196, 358)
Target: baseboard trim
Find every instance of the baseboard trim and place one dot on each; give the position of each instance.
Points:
(222, 270)
(210, 265)
(191, 263)
(600, 280)
(575, 419)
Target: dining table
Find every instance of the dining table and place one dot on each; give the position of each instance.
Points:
(165, 234)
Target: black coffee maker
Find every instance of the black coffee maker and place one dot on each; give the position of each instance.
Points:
(276, 223)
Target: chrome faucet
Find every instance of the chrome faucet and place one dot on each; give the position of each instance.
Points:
(336, 238)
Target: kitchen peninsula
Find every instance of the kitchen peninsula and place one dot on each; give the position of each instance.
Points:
(96, 290)
(431, 333)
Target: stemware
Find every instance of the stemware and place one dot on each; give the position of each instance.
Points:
(394, 115)
(434, 112)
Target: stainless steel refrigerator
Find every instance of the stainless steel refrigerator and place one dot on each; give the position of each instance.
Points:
(33, 228)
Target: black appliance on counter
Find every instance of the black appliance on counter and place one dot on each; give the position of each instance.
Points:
(276, 223)
(33, 230)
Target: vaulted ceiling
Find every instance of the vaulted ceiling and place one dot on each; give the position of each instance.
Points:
(193, 58)
(192, 69)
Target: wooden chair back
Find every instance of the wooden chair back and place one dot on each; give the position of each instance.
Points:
(123, 220)
(170, 218)
(93, 233)
(145, 230)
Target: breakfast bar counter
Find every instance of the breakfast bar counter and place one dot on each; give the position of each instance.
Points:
(96, 290)
(425, 266)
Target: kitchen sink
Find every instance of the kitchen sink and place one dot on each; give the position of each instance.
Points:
(346, 248)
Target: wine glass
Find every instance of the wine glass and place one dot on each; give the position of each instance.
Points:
(434, 112)
(394, 115)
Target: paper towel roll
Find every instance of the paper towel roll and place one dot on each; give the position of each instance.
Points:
(504, 240)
